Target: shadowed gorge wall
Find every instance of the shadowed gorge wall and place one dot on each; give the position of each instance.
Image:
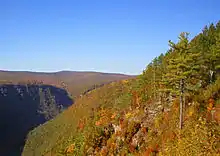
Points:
(19, 106)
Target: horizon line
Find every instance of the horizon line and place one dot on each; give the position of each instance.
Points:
(59, 71)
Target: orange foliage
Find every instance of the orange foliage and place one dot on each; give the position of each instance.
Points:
(81, 124)
(113, 146)
(97, 123)
(210, 104)
(103, 112)
(175, 105)
(213, 113)
(216, 113)
(70, 148)
(104, 152)
(166, 117)
(144, 130)
(97, 149)
(169, 135)
(105, 117)
(152, 150)
(135, 99)
(113, 116)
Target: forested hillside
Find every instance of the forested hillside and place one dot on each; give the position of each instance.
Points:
(172, 108)
(28, 99)
(75, 83)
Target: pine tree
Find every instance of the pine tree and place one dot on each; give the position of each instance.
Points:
(48, 106)
(215, 58)
(53, 109)
(205, 47)
(42, 106)
(180, 69)
(158, 70)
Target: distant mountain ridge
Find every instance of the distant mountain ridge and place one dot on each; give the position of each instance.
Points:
(60, 72)
(69, 80)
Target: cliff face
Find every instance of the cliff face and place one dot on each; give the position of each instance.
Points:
(21, 107)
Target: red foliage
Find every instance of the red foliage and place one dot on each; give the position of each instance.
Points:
(132, 148)
(144, 130)
(152, 150)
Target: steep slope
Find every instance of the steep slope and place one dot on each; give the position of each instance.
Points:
(29, 99)
(59, 132)
(150, 115)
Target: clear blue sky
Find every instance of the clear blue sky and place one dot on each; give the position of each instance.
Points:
(120, 36)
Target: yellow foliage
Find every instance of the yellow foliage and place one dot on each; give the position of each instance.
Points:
(158, 121)
(105, 117)
(198, 137)
(128, 115)
(210, 105)
(124, 81)
(191, 111)
(70, 148)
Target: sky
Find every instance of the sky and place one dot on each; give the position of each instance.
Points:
(115, 36)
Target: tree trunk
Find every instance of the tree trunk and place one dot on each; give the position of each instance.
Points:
(154, 84)
(181, 103)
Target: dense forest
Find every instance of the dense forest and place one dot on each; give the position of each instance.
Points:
(172, 108)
